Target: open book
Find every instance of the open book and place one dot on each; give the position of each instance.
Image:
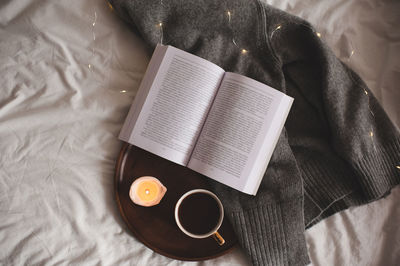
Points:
(220, 124)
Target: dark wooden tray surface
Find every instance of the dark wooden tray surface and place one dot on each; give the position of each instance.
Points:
(155, 226)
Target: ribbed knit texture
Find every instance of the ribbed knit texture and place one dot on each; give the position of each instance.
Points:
(332, 154)
(280, 250)
(380, 170)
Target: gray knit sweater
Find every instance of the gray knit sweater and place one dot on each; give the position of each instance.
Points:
(338, 147)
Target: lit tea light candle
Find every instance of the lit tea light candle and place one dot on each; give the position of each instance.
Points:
(147, 191)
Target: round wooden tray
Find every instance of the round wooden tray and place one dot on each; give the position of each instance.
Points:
(155, 226)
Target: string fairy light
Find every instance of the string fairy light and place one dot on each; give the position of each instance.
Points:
(229, 15)
(93, 35)
(110, 6)
(95, 19)
(94, 24)
(278, 27)
(351, 52)
(160, 26)
(371, 131)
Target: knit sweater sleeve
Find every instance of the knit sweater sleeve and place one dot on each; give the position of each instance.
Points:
(334, 107)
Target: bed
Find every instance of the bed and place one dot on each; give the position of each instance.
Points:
(69, 71)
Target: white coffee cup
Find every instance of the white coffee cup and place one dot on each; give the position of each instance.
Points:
(214, 232)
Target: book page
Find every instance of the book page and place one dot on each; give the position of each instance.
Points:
(240, 132)
(142, 93)
(176, 105)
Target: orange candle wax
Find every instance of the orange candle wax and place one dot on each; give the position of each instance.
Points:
(147, 191)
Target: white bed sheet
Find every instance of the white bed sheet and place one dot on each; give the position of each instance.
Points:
(69, 71)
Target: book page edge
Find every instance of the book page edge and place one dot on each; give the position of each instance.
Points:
(251, 187)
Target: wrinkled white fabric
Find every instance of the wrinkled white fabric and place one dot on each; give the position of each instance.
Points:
(69, 71)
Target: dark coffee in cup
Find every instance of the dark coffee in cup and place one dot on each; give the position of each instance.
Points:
(199, 213)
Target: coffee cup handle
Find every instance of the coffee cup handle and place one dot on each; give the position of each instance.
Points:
(217, 237)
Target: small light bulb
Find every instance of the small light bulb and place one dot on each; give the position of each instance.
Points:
(371, 134)
(244, 51)
(123, 91)
(319, 35)
(147, 191)
(398, 167)
(110, 6)
(229, 16)
(160, 24)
